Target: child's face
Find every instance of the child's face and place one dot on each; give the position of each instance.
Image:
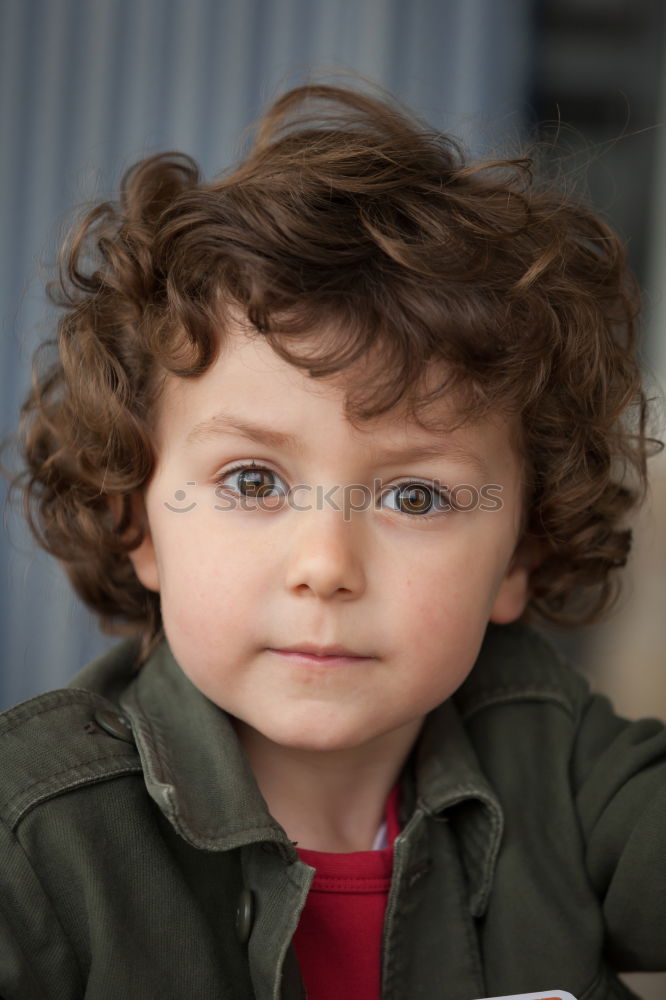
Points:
(410, 594)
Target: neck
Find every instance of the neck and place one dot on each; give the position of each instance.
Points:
(328, 800)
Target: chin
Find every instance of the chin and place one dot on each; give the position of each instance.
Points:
(321, 740)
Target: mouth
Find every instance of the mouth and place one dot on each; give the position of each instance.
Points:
(327, 655)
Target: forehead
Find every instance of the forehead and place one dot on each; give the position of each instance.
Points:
(249, 382)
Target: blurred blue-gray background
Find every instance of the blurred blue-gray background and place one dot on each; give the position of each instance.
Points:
(89, 86)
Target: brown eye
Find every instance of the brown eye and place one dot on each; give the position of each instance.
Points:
(414, 499)
(251, 484)
(418, 499)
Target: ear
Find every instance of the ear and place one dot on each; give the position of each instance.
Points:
(143, 557)
(514, 592)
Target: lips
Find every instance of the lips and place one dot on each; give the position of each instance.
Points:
(321, 652)
(308, 653)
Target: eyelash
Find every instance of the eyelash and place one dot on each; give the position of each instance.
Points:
(437, 493)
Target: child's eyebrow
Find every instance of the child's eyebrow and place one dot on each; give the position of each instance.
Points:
(227, 423)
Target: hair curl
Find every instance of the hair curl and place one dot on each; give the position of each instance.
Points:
(349, 212)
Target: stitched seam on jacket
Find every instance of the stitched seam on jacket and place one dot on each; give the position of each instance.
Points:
(455, 795)
(213, 840)
(14, 804)
(158, 753)
(504, 695)
(480, 900)
(24, 715)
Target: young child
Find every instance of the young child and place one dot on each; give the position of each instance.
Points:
(327, 437)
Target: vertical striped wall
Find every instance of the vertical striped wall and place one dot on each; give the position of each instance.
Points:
(88, 86)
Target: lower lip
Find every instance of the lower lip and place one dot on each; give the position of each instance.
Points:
(324, 661)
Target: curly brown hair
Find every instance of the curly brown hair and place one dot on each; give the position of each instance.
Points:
(350, 213)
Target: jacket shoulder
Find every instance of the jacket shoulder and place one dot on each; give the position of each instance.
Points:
(58, 741)
(518, 663)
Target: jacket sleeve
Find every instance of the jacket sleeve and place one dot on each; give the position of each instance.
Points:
(32, 943)
(619, 774)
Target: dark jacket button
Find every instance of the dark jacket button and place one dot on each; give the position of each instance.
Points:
(114, 724)
(244, 915)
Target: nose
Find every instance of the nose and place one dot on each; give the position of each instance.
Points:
(325, 554)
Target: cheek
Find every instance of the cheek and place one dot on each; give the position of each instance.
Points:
(445, 603)
(209, 582)
(422, 603)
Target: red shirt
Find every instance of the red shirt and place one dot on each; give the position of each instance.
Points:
(338, 940)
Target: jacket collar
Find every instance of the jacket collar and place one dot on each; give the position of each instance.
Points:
(197, 773)
(194, 767)
(451, 785)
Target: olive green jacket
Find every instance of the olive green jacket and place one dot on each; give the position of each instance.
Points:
(138, 859)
